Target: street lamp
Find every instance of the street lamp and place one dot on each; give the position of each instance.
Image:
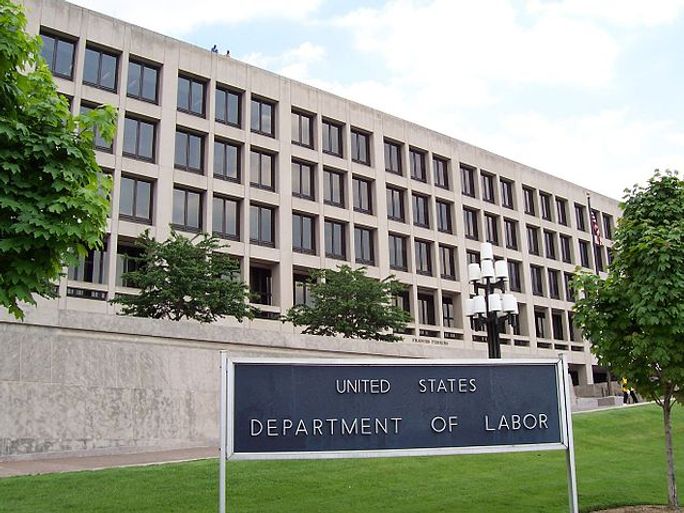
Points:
(493, 309)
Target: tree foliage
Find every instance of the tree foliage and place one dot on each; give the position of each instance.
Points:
(349, 303)
(635, 317)
(186, 278)
(54, 199)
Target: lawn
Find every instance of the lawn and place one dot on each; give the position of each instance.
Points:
(620, 460)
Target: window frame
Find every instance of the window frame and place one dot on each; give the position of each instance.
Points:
(529, 203)
(299, 115)
(553, 276)
(389, 148)
(260, 209)
(396, 193)
(223, 233)
(298, 246)
(364, 231)
(515, 278)
(260, 128)
(238, 165)
(533, 247)
(190, 98)
(471, 230)
(440, 172)
(228, 91)
(550, 245)
(188, 134)
(418, 164)
(358, 135)
(138, 120)
(59, 38)
(451, 251)
(545, 206)
(334, 224)
(565, 243)
(403, 239)
(468, 180)
(511, 235)
(327, 137)
(143, 66)
(301, 165)
(134, 217)
(357, 195)
(492, 228)
(423, 220)
(507, 193)
(488, 192)
(537, 280)
(581, 217)
(328, 187)
(200, 211)
(90, 47)
(423, 255)
(444, 214)
(562, 211)
(260, 171)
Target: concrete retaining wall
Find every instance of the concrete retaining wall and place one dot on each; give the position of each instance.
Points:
(89, 383)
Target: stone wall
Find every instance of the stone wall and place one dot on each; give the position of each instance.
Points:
(90, 383)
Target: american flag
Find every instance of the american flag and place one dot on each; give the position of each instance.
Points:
(595, 228)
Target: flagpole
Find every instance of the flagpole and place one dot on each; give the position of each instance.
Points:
(594, 247)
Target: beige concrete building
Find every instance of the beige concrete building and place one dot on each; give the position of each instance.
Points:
(295, 178)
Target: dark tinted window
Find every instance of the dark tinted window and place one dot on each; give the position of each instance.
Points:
(228, 107)
(139, 138)
(226, 160)
(226, 218)
(142, 81)
(190, 96)
(59, 55)
(263, 117)
(100, 68)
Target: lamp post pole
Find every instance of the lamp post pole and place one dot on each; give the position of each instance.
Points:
(491, 310)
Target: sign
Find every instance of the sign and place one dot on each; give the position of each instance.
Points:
(329, 408)
(279, 409)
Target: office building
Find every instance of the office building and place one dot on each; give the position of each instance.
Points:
(294, 178)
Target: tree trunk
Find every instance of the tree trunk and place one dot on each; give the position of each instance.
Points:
(672, 499)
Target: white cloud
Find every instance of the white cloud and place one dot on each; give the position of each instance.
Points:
(627, 13)
(293, 63)
(180, 17)
(467, 46)
(605, 152)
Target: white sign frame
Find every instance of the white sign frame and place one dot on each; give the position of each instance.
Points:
(228, 401)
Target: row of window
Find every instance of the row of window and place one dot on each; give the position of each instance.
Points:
(101, 70)
(535, 203)
(93, 269)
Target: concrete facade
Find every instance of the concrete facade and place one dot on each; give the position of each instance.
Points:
(85, 383)
(57, 342)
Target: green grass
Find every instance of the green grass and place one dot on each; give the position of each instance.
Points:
(620, 460)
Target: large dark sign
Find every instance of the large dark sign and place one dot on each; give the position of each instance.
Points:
(329, 408)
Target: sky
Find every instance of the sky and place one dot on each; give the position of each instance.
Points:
(587, 90)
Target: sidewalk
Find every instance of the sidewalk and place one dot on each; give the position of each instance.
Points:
(76, 463)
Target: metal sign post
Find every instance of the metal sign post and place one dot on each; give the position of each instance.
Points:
(309, 409)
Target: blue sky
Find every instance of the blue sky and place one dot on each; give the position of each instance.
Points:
(588, 90)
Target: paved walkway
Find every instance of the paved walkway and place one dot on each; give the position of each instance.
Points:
(75, 463)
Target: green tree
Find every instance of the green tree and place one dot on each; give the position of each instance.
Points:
(635, 317)
(54, 198)
(186, 278)
(349, 303)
